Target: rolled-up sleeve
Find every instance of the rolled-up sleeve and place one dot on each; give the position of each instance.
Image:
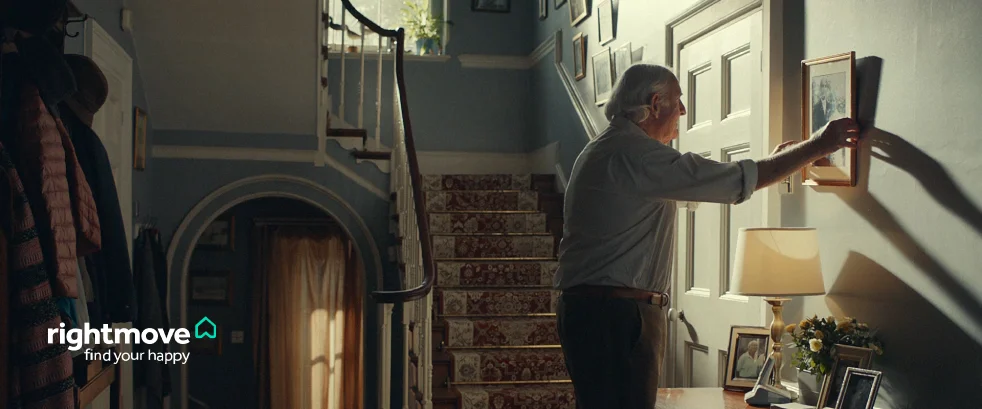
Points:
(690, 177)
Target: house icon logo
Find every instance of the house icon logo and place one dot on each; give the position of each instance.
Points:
(205, 329)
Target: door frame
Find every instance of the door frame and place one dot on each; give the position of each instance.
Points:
(703, 18)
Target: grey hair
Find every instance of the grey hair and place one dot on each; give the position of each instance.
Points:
(754, 343)
(632, 93)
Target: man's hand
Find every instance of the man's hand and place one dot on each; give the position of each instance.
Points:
(840, 133)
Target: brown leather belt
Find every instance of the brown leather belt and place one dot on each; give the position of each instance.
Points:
(655, 298)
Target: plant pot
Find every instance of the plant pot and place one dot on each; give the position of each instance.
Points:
(427, 46)
(809, 387)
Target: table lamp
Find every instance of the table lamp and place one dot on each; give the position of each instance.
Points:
(776, 263)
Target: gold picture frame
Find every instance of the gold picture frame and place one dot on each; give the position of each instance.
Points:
(139, 139)
(845, 357)
(742, 341)
(579, 10)
(579, 56)
(828, 92)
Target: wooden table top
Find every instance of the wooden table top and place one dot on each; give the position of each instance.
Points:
(700, 398)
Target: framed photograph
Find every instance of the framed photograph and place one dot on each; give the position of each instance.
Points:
(622, 60)
(219, 235)
(845, 357)
(859, 389)
(745, 358)
(829, 93)
(579, 56)
(603, 79)
(605, 22)
(210, 287)
(493, 6)
(579, 10)
(637, 55)
(559, 3)
(139, 139)
(543, 9)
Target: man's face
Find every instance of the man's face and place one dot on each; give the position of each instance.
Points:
(752, 349)
(669, 112)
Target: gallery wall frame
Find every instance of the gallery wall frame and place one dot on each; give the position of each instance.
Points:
(828, 92)
(491, 6)
(579, 10)
(605, 22)
(579, 56)
(603, 80)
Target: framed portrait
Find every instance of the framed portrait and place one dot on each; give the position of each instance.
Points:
(559, 3)
(859, 389)
(579, 56)
(579, 10)
(219, 235)
(139, 139)
(605, 22)
(543, 9)
(210, 287)
(844, 357)
(746, 356)
(493, 6)
(637, 55)
(622, 60)
(603, 79)
(829, 93)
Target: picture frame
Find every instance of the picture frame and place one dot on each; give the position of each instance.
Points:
(603, 82)
(559, 3)
(829, 93)
(543, 9)
(622, 60)
(139, 139)
(605, 22)
(745, 357)
(491, 6)
(579, 10)
(219, 235)
(859, 389)
(845, 357)
(206, 287)
(579, 56)
(637, 55)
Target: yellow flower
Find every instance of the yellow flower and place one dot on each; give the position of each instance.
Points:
(848, 319)
(845, 326)
(830, 320)
(819, 334)
(805, 324)
(815, 344)
(790, 329)
(862, 326)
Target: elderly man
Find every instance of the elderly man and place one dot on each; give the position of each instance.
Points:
(617, 250)
(751, 362)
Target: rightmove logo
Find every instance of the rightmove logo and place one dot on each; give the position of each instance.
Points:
(77, 338)
(205, 329)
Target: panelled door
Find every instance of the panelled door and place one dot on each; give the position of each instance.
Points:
(720, 75)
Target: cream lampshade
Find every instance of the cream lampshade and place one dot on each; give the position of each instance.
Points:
(776, 263)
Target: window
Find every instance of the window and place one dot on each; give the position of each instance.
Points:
(390, 18)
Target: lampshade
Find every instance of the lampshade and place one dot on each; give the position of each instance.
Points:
(777, 262)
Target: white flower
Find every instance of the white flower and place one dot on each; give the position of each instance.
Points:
(815, 344)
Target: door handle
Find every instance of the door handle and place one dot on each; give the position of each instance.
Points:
(674, 314)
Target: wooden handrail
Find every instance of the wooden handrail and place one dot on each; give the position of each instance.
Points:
(416, 179)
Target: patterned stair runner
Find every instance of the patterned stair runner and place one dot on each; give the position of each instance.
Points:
(495, 263)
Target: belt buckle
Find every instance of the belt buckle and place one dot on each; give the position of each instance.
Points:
(658, 299)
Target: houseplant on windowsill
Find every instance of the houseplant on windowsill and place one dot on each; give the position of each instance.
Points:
(814, 339)
(425, 27)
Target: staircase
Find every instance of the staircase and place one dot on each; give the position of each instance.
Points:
(495, 341)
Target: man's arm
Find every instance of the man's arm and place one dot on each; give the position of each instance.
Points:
(837, 134)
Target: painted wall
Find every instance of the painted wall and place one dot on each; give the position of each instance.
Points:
(491, 33)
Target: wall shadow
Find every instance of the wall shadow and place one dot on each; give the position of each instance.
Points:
(925, 352)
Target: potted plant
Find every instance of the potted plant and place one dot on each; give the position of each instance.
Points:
(814, 339)
(424, 26)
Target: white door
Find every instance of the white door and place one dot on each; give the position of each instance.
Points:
(720, 75)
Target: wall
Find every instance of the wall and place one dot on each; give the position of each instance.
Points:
(228, 380)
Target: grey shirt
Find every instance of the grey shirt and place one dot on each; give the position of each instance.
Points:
(620, 207)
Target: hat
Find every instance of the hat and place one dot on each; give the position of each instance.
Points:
(92, 87)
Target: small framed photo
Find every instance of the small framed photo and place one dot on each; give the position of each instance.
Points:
(559, 3)
(543, 9)
(219, 235)
(637, 55)
(210, 287)
(829, 93)
(844, 357)
(603, 79)
(139, 139)
(579, 10)
(493, 6)
(622, 60)
(746, 356)
(859, 389)
(605, 22)
(579, 56)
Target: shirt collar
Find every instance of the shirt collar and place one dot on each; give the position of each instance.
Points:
(623, 124)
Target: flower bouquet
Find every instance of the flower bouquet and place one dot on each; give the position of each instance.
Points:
(815, 337)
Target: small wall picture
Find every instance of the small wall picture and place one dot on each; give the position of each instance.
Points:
(494, 6)
(543, 9)
(622, 60)
(605, 22)
(219, 235)
(579, 56)
(579, 10)
(559, 3)
(844, 357)
(747, 353)
(210, 287)
(139, 139)
(829, 93)
(859, 389)
(637, 55)
(603, 80)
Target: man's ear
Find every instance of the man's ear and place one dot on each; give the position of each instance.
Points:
(654, 105)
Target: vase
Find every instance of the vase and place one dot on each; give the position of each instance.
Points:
(426, 46)
(809, 387)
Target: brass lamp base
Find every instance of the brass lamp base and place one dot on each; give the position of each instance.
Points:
(777, 330)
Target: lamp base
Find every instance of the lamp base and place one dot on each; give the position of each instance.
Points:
(777, 330)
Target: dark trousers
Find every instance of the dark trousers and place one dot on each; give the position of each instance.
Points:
(614, 348)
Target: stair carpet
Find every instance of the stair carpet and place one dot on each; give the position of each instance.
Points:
(495, 261)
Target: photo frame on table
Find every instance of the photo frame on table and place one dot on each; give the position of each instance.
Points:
(543, 9)
(219, 235)
(748, 351)
(579, 10)
(491, 6)
(859, 389)
(559, 3)
(844, 357)
(210, 287)
(829, 93)
(622, 60)
(605, 22)
(579, 56)
(603, 80)
(139, 139)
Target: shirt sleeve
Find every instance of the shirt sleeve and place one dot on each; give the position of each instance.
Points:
(667, 174)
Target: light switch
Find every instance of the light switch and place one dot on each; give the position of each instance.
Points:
(238, 337)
